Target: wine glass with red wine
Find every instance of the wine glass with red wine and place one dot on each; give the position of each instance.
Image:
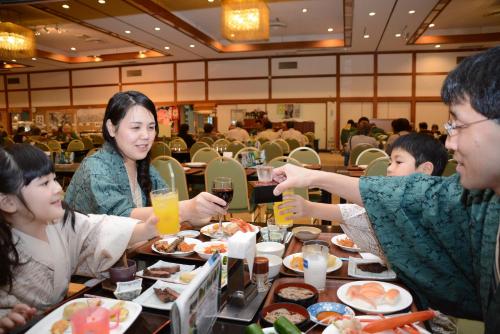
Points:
(222, 187)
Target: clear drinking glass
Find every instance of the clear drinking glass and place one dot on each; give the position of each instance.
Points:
(222, 187)
(165, 204)
(315, 265)
(264, 173)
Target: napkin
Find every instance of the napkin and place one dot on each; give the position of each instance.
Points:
(242, 246)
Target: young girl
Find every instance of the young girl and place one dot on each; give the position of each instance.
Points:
(43, 242)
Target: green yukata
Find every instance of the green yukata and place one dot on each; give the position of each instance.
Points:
(440, 239)
(101, 185)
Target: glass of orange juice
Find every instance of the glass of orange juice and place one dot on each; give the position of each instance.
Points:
(279, 217)
(166, 207)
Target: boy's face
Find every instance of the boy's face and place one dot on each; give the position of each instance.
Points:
(403, 164)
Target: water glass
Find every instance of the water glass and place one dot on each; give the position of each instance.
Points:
(274, 232)
(315, 265)
(264, 173)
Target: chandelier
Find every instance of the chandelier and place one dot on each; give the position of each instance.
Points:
(16, 41)
(245, 20)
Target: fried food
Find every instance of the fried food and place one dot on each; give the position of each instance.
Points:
(346, 242)
(161, 272)
(122, 314)
(221, 248)
(166, 295)
(178, 245)
(73, 308)
(185, 247)
(59, 327)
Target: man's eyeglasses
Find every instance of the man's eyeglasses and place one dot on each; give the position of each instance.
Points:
(452, 128)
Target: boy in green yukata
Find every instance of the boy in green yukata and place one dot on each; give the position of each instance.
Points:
(440, 234)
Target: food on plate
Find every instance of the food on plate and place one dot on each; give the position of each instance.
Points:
(235, 225)
(374, 267)
(123, 311)
(161, 272)
(166, 295)
(295, 318)
(185, 247)
(297, 262)
(373, 293)
(346, 242)
(176, 245)
(72, 308)
(59, 327)
(328, 317)
(221, 248)
(295, 293)
(187, 277)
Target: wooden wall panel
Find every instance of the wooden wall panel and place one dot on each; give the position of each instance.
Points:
(439, 61)
(394, 85)
(303, 87)
(49, 79)
(238, 89)
(356, 86)
(93, 95)
(394, 63)
(191, 91)
(98, 76)
(23, 81)
(429, 85)
(354, 110)
(159, 72)
(393, 110)
(158, 92)
(2, 103)
(191, 70)
(305, 65)
(352, 64)
(432, 113)
(2, 83)
(18, 99)
(50, 97)
(238, 68)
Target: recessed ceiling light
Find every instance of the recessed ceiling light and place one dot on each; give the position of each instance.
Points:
(33, 58)
(371, 13)
(411, 12)
(167, 48)
(73, 49)
(437, 46)
(330, 29)
(157, 28)
(210, 0)
(102, 2)
(366, 36)
(398, 35)
(127, 31)
(304, 10)
(432, 25)
(191, 45)
(65, 6)
(13, 60)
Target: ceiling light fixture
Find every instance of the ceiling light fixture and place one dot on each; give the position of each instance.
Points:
(142, 54)
(437, 46)
(14, 60)
(304, 10)
(97, 59)
(191, 45)
(330, 29)
(371, 13)
(365, 34)
(65, 6)
(398, 35)
(157, 28)
(127, 31)
(102, 2)
(33, 58)
(167, 48)
(432, 25)
(16, 41)
(210, 0)
(411, 12)
(245, 21)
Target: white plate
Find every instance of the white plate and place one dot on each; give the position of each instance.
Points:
(149, 299)
(354, 271)
(176, 254)
(44, 325)
(200, 248)
(362, 166)
(404, 301)
(335, 241)
(196, 164)
(174, 278)
(287, 261)
(209, 230)
(332, 329)
(188, 233)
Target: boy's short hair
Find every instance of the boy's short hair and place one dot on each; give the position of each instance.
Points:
(423, 148)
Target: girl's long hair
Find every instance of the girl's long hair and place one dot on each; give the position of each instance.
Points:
(117, 108)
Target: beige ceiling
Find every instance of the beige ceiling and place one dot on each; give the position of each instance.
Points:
(96, 29)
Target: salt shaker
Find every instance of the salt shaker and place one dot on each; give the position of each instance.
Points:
(261, 273)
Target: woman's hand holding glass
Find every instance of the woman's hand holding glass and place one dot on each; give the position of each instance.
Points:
(291, 176)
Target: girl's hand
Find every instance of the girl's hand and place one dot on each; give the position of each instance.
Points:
(296, 205)
(18, 316)
(150, 226)
(291, 176)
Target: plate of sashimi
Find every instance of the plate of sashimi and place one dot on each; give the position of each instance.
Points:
(374, 297)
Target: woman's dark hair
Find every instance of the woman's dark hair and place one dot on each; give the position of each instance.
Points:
(423, 148)
(401, 124)
(118, 106)
(184, 128)
(476, 78)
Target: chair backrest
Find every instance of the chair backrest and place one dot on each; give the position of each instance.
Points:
(92, 152)
(205, 154)
(229, 167)
(292, 143)
(42, 146)
(356, 150)
(367, 156)
(220, 145)
(305, 155)
(207, 140)
(262, 140)
(378, 167)
(281, 161)
(245, 150)
(450, 168)
(178, 144)
(8, 141)
(196, 146)
(158, 149)
(97, 140)
(54, 145)
(283, 144)
(310, 136)
(75, 145)
(87, 142)
(166, 166)
(235, 147)
(272, 150)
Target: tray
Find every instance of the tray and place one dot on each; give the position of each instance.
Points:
(295, 246)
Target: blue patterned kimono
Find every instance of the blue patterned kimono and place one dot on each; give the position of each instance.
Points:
(101, 185)
(440, 239)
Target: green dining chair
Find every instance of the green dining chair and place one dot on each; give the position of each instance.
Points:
(168, 166)
(356, 151)
(235, 147)
(197, 146)
(283, 144)
(271, 150)
(378, 167)
(292, 143)
(305, 155)
(159, 148)
(205, 154)
(367, 156)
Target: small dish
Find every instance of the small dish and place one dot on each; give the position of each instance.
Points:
(301, 301)
(294, 308)
(174, 277)
(317, 308)
(354, 271)
(337, 241)
(270, 247)
(203, 248)
(305, 233)
(188, 234)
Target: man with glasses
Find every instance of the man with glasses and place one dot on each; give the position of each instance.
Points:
(441, 234)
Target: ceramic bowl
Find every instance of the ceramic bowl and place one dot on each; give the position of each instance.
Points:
(271, 248)
(123, 274)
(290, 307)
(305, 233)
(317, 308)
(304, 302)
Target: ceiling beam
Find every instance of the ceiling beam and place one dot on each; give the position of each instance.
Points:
(457, 39)
(104, 57)
(433, 14)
